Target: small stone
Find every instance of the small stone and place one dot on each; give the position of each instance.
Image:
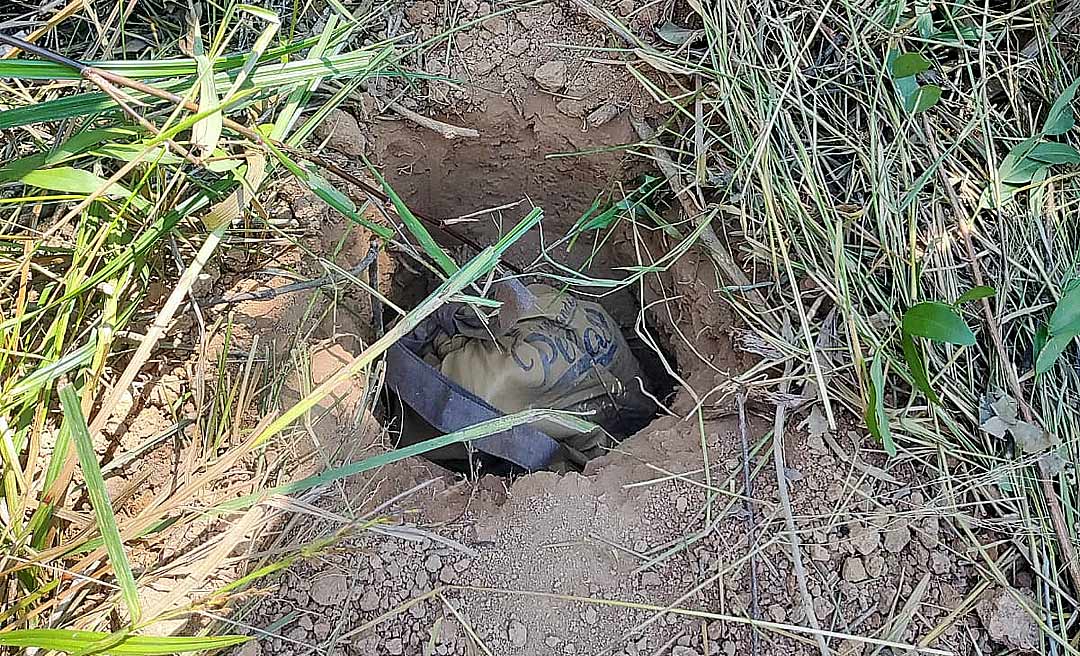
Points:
(641, 546)
(322, 629)
(819, 553)
(421, 581)
(778, 613)
(517, 633)
(875, 566)
(495, 25)
(569, 648)
(370, 601)
(896, 538)
(854, 570)
(305, 622)
(551, 76)
(433, 563)
(601, 115)
(650, 579)
(518, 47)
(626, 7)
(729, 648)
(552, 641)
(683, 651)
(822, 607)
(591, 616)
(395, 647)
(681, 504)
(447, 575)
(462, 565)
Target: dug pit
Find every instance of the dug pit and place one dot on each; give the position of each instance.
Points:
(527, 156)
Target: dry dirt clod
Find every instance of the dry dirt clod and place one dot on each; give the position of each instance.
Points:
(517, 633)
(865, 539)
(329, 590)
(370, 601)
(251, 648)
(1007, 621)
(395, 647)
(650, 579)
(344, 133)
(551, 76)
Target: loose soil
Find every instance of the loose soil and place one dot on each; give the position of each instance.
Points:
(658, 547)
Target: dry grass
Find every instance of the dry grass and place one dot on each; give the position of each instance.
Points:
(111, 195)
(853, 210)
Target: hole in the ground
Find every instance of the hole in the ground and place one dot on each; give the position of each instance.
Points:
(511, 162)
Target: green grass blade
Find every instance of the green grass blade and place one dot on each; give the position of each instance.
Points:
(434, 251)
(72, 641)
(470, 434)
(267, 77)
(99, 499)
(32, 69)
(77, 181)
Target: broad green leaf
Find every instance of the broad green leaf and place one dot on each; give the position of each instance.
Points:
(1065, 319)
(78, 181)
(72, 641)
(876, 419)
(924, 21)
(85, 140)
(1016, 167)
(1042, 334)
(917, 367)
(939, 322)
(1052, 152)
(908, 64)
(127, 152)
(962, 33)
(1061, 119)
(1005, 193)
(975, 293)
(99, 500)
(925, 97)
(1050, 353)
